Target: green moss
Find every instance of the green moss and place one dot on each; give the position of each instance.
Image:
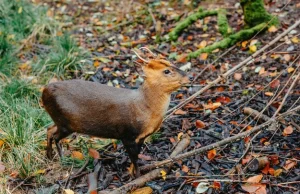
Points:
(255, 13)
(229, 41)
(173, 35)
(223, 25)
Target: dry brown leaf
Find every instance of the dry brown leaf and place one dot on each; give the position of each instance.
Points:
(212, 106)
(179, 136)
(180, 112)
(287, 57)
(244, 44)
(269, 93)
(94, 153)
(289, 164)
(211, 154)
(275, 83)
(68, 191)
(200, 124)
(256, 188)
(288, 130)
(271, 171)
(237, 76)
(290, 69)
(77, 155)
(185, 168)
(272, 29)
(255, 179)
(96, 64)
(143, 190)
(277, 172)
(202, 44)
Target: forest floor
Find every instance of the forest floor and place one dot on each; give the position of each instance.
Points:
(93, 40)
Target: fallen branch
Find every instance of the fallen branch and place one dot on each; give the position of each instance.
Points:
(139, 182)
(229, 72)
(219, 143)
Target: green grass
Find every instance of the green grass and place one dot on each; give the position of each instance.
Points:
(22, 121)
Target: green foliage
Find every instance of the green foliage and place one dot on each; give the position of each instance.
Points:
(65, 56)
(255, 13)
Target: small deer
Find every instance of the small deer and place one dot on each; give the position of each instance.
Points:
(103, 111)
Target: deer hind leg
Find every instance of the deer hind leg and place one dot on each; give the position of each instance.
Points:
(60, 134)
(50, 132)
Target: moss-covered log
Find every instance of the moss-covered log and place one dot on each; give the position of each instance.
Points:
(230, 40)
(255, 13)
(173, 35)
(223, 25)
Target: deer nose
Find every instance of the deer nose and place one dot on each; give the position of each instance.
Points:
(191, 78)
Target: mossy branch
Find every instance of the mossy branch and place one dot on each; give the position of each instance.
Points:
(173, 35)
(223, 25)
(230, 40)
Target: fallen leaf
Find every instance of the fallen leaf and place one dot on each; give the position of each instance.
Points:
(96, 64)
(172, 140)
(94, 153)
(275, 83)
(202, 44)
(277, 172)
(41, 171)
(255, 179)
(211, 154)
(237, 76)
(272, 29)
(202, 187)
(14, 174)
(179, 136)
(290, 69)
(185, 168)
(287, 57)
(212, 106)
(163, 174)
(144, 157)
(271, 171)
(246, 159)
(200, 124)
(289, 164)
(269, 93)
(244, 44)
(203, 56)
(255, 188)
(295, 40)
(253, 48)
(253, 42)
(180, 112)
(216, 185)
(288, 130)
(143, 190)
(265, 170)
(68, 191)
(274, 159)
(77, 155)
(223, 99)
(182, 58)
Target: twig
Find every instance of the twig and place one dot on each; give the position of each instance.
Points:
(229, 72)
(219, 143)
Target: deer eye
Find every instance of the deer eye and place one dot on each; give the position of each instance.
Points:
(167, 71)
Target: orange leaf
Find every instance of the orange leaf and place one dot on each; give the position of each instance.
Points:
(185, 168)
(289, 164)
(202, 44)
(275, 83)
(274, 159)
(223, 99)
(180, 112)
(271, 171)
(255, 188)
(247, 139)
(255, 179)
(288, 130)
(94, 153)
(217, 185)
(269, 93)
(211, 154)
(212, 106)
(172, 140)
(266, 168)
(203, 56)
(96, 64)
(77, 155)
(182, 58)
(200, 124)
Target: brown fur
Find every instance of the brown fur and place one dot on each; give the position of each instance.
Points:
(108, 112)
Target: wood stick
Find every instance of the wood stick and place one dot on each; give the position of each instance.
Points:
(219, 143)
(139, 182)
(229, 72)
